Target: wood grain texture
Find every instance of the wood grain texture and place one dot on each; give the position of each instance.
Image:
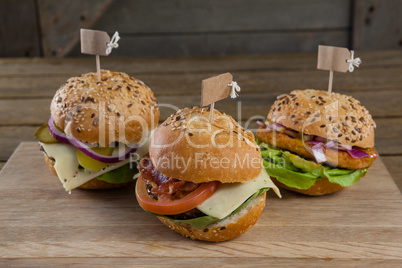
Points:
(221, 44)
(11, 136)
(36, 111)
(19, 31)
(393, 164)
(191, 28)
(359, 225)
(66, 17)
(251, 262)
(377, 24)
(226, 43)
(178, 16)
(47, 67)
(249, 81)
(245, 108)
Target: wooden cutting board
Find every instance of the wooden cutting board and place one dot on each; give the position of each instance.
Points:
(42, 225)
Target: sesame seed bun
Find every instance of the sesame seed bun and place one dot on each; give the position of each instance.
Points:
(228, 228)
(116, 108)
(187, 147)
(336, 117)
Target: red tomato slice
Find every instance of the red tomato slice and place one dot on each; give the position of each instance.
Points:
(165, 206)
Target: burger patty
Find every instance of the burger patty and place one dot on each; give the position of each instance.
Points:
(337, 158)
(191, 214)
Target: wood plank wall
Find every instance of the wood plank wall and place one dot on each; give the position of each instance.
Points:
(222, 27)
(160, 28)
(19, 31)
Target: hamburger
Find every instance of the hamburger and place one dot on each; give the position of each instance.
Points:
(203, 180)
(97, 128)
(316, 144)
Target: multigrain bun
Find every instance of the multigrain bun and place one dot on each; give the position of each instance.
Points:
(117, 108)
(336, 117)
(93, 184)
(320, 187)
(229, 228)
(187, 147)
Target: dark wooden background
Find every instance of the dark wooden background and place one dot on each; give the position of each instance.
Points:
(160, 28)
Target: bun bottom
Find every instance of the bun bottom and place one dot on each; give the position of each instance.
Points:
(93, 184)
(228, 228)
(320, 187)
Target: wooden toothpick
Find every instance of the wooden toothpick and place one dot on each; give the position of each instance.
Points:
(331, 78)
(211, 112)
(98, 67)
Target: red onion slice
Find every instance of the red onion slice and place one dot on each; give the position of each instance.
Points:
(274, 127)
(353, 152)
(277, 127)
(290, 133)
(318, 153)
(319, 143)
(57, 134)
(345, 147)
(261, 124)
(330, 144)
(356, 153)
(102, 158)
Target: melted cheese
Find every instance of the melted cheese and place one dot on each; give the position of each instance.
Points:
(66, 164)
(230, 196)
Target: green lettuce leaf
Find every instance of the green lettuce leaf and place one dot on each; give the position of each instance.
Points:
(119, 175)
(347, 179)
(204, 221)
(289, 177)
(297, 172)
(200, 222)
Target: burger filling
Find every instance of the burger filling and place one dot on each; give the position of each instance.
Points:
(196, 204)
(290, 157)
(74, 167)
(317, 148)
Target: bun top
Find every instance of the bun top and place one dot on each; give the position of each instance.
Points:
(336, 117)
(187, 147)
(116, 108)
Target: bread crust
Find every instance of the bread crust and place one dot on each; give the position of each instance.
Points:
(320, 187)
(117, 108)
(187, 147)
(93, 184)
(335, 157)
(336, 117)
(226, 229)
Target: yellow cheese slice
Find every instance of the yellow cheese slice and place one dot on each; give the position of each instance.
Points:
(230, 196)
(66, 164)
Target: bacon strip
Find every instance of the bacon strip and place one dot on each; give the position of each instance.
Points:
(161, 184)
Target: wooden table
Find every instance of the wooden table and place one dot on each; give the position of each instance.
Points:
(27, 86)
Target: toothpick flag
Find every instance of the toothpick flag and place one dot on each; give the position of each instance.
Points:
(338, 59)
(98, 43)
(216, 88)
